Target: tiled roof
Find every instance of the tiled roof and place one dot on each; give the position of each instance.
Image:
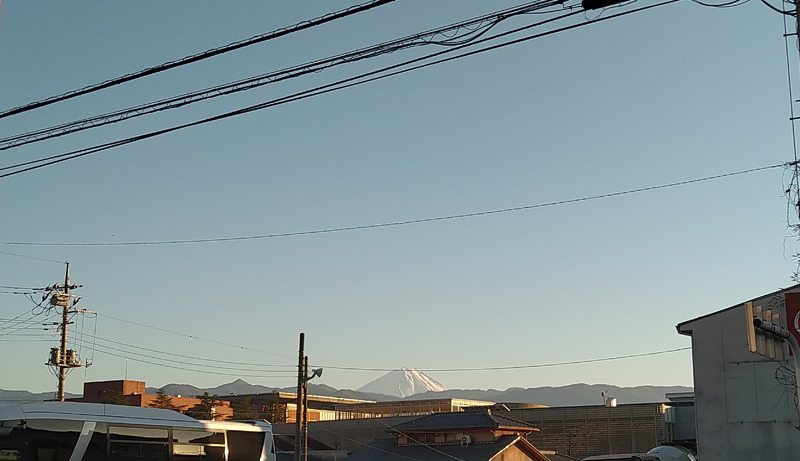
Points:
(560, 457)
(285, 442)
(461, 420)
(387, 449)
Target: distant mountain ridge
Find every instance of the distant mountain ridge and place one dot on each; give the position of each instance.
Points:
(562, 396)
(571, 395)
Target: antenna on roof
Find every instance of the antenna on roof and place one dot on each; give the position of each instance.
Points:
(609, 400)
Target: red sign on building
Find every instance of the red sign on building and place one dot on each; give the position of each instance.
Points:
(793, 314)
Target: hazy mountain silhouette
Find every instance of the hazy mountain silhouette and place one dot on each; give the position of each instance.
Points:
(571, 395)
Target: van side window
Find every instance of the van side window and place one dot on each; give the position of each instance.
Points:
(52, 440)
(133, 443)
(245, 446)
(192, 444)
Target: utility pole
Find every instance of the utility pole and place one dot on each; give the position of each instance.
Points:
(301, 379)
(61, 357)
(305, 409)
(797, 18)
(301, 415)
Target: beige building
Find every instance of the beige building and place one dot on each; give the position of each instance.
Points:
(580, 431)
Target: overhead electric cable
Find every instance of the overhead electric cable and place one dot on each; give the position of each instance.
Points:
(198, 57)
(291, 367)
(10, 287)
(452, 34)
(341, 84)
(47, 161)
(221, 343)
(406, 222)
(32, 257)
(4, 330)
(729, 4)
(135, 358)
(778, 10)
(520, 367)
(288, 369)
(15, 292)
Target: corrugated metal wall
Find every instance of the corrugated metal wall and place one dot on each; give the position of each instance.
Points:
(588, 431)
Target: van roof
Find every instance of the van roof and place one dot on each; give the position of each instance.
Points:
(99, 412)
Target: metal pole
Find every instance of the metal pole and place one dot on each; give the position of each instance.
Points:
(298, 412)
(305, 409)
(62, 353)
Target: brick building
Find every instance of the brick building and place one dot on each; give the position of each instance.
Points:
(133, 393)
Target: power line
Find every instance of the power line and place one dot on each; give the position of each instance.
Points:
(729, 4)
(452, 36)
(204, 371)
(290, 367)
(197, 57)
(520, 367)
(778, 10)
(221, 343)
(407, 222)
(346, 368)
(137, 357)
(287, 372)
(9, 287)
(338, 85)
(345, 83)
(15, 322)
(31, 257)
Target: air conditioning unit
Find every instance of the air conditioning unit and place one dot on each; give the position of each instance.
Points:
(466, 440)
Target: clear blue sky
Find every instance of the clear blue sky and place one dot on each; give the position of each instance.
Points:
(670, 94)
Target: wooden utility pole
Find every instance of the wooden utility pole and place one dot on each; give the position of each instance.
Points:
(304, 435)
(797, 18)
(298, 432)
(61, 357)
(62, 367)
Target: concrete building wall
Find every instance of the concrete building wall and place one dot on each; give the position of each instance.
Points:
(743, 412)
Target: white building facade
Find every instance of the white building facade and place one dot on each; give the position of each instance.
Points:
(746, 404)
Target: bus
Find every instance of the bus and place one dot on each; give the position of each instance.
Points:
(74, 431)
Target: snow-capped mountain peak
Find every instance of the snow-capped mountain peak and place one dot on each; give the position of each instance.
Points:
(402, 383)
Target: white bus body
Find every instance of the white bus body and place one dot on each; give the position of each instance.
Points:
(72, 431)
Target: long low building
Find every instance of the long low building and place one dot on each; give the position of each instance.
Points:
(578, 431)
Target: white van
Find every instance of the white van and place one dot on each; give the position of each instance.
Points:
(73, 431)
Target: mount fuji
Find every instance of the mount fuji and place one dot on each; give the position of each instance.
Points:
(403, 383)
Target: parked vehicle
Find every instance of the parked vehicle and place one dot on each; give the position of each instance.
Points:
(660, 453)
(72, 431)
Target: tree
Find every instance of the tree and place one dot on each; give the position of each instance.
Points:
(206, 408)
(114, 398)
(162, 400)
(275, 411)
(243, 408)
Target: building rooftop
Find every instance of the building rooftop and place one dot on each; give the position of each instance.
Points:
(463, 420)
(387, 449)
